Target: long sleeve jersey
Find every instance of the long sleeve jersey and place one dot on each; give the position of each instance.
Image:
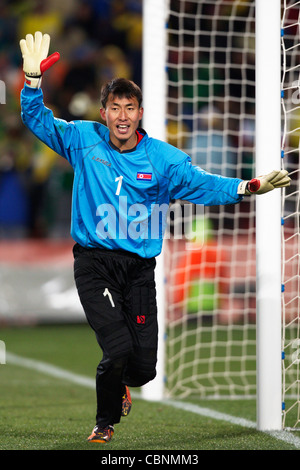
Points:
(120, 199)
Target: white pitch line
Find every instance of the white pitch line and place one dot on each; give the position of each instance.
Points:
(87, 382)
(49, 369)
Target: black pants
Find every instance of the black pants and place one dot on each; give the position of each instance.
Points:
(117, 292)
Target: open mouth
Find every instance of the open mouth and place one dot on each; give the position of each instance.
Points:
(123, 128)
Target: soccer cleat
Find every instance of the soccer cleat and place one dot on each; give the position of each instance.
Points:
(126, 402)
(101, 434)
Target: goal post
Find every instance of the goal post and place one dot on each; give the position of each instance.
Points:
(268, 215)
(154, 121)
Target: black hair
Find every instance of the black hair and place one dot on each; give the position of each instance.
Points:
(121, 87)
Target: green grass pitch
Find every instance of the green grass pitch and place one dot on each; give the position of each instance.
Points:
(43, 412)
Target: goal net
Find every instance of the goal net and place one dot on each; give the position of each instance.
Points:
(290, 214)
(211, 271)
(211, 275)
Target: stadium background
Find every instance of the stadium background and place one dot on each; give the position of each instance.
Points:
(97, 40)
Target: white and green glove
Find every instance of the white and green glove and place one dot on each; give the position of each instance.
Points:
(264, 184)
(35, 57)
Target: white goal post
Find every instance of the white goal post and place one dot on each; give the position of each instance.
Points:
(268, 215)
(154, 120)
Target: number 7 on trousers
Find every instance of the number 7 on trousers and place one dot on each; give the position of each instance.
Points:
(107, 293)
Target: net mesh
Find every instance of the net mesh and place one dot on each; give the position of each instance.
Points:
(211, 278)
(211, 288)
(290, 214)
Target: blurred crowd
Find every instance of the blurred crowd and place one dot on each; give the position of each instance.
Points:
(211, 95)
(97, 40)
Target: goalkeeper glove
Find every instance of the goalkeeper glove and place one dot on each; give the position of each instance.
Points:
(35, 60)
(264, 184)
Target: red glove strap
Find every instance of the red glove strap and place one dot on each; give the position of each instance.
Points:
(49, 61)
(254, 185)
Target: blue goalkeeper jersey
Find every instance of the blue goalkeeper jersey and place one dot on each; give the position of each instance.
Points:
(120, 199)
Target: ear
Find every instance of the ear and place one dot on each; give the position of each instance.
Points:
(141, 111)
(103, 114)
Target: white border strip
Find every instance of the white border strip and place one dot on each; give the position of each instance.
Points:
(87, 382)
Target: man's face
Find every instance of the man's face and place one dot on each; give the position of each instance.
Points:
(122, 116)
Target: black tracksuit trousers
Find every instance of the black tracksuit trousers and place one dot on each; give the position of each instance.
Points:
(117, 292)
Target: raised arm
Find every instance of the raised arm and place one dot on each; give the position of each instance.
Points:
(35, 57)
(59, 135)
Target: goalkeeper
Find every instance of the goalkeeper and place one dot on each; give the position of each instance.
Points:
(121, 176)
